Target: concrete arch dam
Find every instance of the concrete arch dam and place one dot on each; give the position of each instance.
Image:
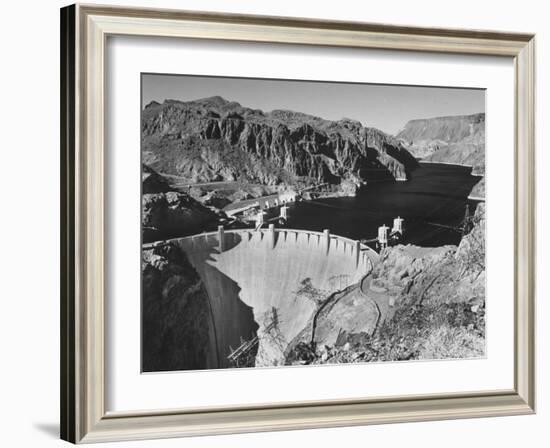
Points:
(253, 277)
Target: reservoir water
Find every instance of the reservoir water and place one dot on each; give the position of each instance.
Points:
(435, 194)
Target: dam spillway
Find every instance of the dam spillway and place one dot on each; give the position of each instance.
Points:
(253, 277)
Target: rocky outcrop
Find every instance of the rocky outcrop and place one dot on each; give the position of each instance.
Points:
(351, 313)
(447, 274)
(152, 182)
(439, 299)
(213, 139)
(455, 139)
(171, 214)
(445, 130)
(178, 331)
(471, 251)
(478, 192)
(215, 199)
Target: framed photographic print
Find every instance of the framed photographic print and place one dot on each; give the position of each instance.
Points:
(276, 223)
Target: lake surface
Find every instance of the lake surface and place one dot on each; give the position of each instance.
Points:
(435, 193)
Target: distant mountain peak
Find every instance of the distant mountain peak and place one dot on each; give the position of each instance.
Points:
(216, 99)
(447, 128)
(152, 104)
(477, 117)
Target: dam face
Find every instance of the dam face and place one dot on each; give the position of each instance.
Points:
(254, 280)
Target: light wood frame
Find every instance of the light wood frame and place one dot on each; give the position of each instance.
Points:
(84, 29)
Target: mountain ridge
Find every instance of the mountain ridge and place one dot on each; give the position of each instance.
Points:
(456, 139)
(212, 139)
(461, 137)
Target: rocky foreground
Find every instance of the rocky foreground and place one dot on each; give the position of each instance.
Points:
(213, 140)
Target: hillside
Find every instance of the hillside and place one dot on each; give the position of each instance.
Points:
(431, 303)
(213, 139)
(177, 326)
(166, 214)
(455, 139)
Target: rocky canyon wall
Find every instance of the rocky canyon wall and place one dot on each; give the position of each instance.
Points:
(213, 139)
(456, 139)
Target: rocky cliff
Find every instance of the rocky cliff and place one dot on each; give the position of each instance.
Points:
(153, 182)
(166, 214)
(450, 129)
(439, 299)
(455, 139)
(213, 140)
(178, 332)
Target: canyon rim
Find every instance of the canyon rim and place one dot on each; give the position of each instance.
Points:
(299, 223)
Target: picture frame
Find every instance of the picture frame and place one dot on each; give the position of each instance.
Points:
(84, 417)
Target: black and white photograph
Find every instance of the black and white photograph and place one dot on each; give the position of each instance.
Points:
(304, 223)
(280, 223)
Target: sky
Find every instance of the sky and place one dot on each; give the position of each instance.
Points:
(386, 107)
